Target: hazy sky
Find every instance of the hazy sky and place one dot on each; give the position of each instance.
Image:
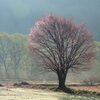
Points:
(18, 16)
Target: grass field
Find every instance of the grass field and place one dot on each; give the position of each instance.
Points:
(37, 94)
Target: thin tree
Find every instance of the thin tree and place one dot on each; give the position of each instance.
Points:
(62, 45)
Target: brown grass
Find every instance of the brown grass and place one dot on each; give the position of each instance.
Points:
(94, 88)
(89, 88)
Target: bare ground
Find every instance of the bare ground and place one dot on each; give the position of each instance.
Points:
(26, 91)
(17, 93)
(93, 88)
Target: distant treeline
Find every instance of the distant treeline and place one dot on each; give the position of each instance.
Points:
(14, 58)
(17, 64)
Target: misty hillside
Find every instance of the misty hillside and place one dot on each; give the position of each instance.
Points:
(18, 16)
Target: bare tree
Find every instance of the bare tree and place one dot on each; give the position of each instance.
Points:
(62, 45)
(17, 53)
(12, 50)
(5, 61)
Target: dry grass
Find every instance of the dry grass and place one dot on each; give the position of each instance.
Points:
(44, 92)
(89, 88)
(37, 94)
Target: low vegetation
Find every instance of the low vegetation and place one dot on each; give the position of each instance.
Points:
(37, 94)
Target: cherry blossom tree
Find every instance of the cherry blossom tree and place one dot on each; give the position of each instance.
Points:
(62, 46)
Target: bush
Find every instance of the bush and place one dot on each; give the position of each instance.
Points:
(91, 81)
(21, 84)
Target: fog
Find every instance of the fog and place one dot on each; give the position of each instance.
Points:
(18, 16)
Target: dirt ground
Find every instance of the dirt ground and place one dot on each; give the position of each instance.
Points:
(89, 88)
(95, 88)
(12, 93)
(26, 91)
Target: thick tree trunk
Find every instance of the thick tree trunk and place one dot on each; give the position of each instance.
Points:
(61, 85)
(61, 79)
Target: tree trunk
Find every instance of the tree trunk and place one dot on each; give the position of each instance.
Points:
(61, 84)
(61, 79)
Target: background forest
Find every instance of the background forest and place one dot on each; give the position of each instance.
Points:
(16, 63)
